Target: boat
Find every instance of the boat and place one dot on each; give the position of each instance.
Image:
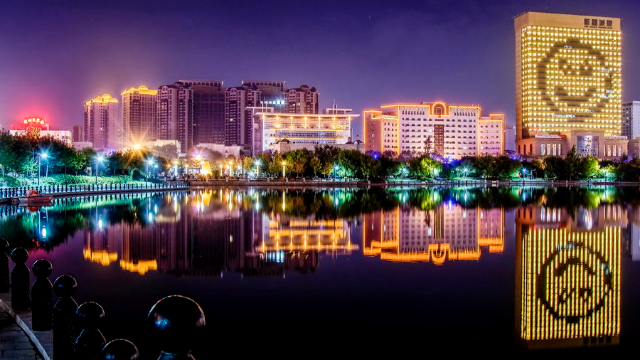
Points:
(33, 198)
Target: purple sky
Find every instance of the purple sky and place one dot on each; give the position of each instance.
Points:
(54, 55)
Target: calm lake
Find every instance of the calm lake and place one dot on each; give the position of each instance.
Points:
(356, 272)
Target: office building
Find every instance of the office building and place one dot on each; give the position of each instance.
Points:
(102, 125)
(450, 131)
(208, 111)
(568, 80)
(40, 127)
(138, 115)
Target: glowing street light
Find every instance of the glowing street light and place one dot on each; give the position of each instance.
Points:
(42, 155)
(258, 163)
(148, 162)
(284, 164)
(335, 169)
(99, 159)
(465, 171)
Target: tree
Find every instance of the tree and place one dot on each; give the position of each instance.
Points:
(572, 164)
(315, 165)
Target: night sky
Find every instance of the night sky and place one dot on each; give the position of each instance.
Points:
(54, 55)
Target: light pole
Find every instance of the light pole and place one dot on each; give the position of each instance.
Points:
(284, 164)
(175, 170)
(42, 155)
(335, 169)
(99, 159)
(465, 171)
(148, 162)
(257, 163)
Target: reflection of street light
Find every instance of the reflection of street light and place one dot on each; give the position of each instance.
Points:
(42, 155)
(99, 159)
(284, 164)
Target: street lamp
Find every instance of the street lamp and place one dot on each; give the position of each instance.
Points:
(175, 171)
(42, 155)
(335, 169)
(465, 171)
(284, 164)
(148, 162)
(257, 163)
(230, 168)
(99, 159)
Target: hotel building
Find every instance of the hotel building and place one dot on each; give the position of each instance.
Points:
(305, 130)
(41, 127)
(102, 125)
(451, 131)
(139, 115)
(568, 85)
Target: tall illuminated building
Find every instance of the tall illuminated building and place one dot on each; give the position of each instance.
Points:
(102, 125)
(209, 98)
(174, 117)
(139, 115)
(568, 84)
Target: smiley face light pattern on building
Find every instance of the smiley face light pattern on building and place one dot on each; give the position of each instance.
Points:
(571, 79)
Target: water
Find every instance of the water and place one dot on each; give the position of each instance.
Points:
(356, 272)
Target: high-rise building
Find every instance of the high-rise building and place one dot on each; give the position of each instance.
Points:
(78, 133)
(447, 130)
(302, 100)
(174, 119)
(631, 119)
(238, 126)
(102, 125)
(208, 111)
(139, 115)
(568, 80)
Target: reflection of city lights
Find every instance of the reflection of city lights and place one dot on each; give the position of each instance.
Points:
(100, 224)
(44, 232)
(150, 216)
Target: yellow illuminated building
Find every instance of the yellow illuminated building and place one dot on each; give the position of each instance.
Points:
(447, 233)
(139, 115)
(102, 125)
(568, 76)
(568, 272)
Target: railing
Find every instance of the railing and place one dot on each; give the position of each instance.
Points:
(69, 189)
(176, 320)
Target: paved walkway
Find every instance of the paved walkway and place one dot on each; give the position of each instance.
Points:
(17, 340)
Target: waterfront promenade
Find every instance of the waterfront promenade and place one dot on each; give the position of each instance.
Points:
(17, 340)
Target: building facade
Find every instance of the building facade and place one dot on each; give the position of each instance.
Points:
(102, 125)
(175, 114)
(451, 131)
(40, 127)
(78, 133)
(568, 77)
(139, 115)
(209, 97)
(310, 129)
(631, 119)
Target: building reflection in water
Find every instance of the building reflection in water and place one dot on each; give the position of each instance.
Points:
(449, 232)
(210, 232)
(568, 276)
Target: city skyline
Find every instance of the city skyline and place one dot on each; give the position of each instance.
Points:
(385, 51)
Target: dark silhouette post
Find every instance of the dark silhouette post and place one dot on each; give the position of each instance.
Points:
(119, 349)
(42, 296)
(63, 314)
(4, 266)
(177, 322)
(20, 282)
(90, 341)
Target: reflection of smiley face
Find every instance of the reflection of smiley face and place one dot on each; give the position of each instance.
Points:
(574, 282)
(575, 76)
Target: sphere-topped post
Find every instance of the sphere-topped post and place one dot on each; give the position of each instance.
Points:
(177, 322)
(42, 296)
(90, 341)
(63, 314)
(119, 349)
(4, 266)
(20, 299)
